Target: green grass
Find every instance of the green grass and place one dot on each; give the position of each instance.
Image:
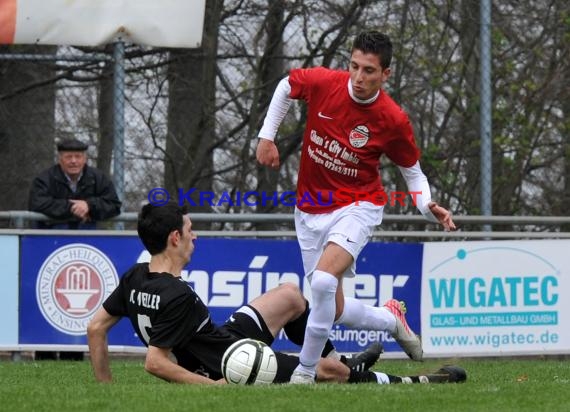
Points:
(492, 385)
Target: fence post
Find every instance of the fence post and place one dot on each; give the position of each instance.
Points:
(119, 122)
(485, 113)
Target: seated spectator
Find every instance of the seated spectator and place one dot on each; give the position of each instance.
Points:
(72, 193)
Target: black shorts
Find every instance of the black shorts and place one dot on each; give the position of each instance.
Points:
(246, 322)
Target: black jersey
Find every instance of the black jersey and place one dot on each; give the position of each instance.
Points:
(167, 313)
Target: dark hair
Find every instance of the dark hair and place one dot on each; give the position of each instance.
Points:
(155, 223)
(377, 43)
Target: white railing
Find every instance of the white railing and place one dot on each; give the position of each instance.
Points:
(522, 227)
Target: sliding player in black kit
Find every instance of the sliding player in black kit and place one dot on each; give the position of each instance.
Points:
(171, 319)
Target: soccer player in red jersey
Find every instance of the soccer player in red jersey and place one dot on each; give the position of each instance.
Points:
(351, 123)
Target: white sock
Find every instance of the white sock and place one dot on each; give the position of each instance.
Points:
(382, 378)
(320, 321)
(357, 315)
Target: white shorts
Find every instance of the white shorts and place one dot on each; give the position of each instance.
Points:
(350, 227)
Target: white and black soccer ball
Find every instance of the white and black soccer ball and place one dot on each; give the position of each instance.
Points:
(249, 362)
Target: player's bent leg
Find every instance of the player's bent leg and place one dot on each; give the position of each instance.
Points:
(358, 315)
(330, 370)
(280, 305)
(391, 317)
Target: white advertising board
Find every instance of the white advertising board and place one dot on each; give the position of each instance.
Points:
(164, 23)
(494, 298)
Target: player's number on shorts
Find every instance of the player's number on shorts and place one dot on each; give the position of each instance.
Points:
(144, 323)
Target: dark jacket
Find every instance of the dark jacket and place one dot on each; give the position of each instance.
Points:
(50, 194)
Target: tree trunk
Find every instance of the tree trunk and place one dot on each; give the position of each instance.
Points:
(106, 116)
(470, 50)
(271, 72)
(191, 116)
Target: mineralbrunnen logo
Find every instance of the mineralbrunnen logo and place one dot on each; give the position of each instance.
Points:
(72, 284)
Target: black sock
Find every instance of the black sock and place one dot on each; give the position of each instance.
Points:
(398, 379)
(295, 331)
(362, 377)
(329, 347)
(394, 379)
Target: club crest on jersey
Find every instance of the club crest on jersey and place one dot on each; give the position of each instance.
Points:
(72, 284)
(359, 136)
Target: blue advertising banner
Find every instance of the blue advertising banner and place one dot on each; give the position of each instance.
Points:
(66, 278)
(9, 290)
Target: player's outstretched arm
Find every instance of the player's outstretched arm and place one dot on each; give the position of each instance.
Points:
(97, 340)
(158, 363)
(418, 186)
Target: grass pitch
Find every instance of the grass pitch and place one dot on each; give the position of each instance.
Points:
(492, 385)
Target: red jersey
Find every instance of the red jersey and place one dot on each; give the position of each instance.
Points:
(343, 140)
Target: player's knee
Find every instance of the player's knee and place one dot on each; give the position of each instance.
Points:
(323, 283)
(293, 295)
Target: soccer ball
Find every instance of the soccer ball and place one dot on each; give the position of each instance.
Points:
(249, 362)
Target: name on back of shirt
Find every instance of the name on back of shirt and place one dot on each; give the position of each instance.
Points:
(144, 299)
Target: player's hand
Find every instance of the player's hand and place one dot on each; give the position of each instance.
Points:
(267, 153)
(442, 215)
